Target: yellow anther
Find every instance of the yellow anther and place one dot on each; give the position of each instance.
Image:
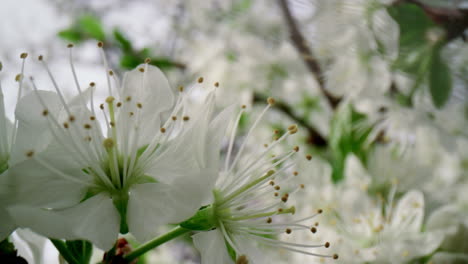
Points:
(30, 153)
(23, 55)
(108, 143)
(200, 80)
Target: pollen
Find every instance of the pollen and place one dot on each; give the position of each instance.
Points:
(18, 77)
(147, 60)
(269, 220)
(319, 211)
(139, 105)
(101, 106)
(200, 80)
(280, 210)
(296, 148)
(302, 186)
(288, 231)
(111, 73)
(30, 153)
(313, 230)
(327, 244)
(72, 118)
(119, 104)
(284, 198)
(70, 45)
(45, 112)
(112, 123)
(276, 194)
(271, 101)
(87, 126)
(65, 125)
(163, 130)
(100, 44)
(40, 58)
(308, 157)
(216, 84)
(277, 187)
(23, 55)
(174, 118)
(295, 173)
(141, 69)
(272, 183)
(181, 88)
(335, 256)
(242, 260)
(292, 129)
(128, 98)
(92, 118)
(186, 118)
(92, 84)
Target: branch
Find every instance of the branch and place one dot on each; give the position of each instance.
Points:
(305, 52)
(314, 137)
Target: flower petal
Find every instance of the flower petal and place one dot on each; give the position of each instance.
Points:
(212, 247)
(409, 212)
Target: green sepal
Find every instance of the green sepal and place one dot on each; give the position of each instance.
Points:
(203, 220)
(3, 167)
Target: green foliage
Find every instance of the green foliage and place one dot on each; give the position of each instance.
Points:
(203, 220)
(420, 43)
(87, 26)
(81, 249)
(347, 136)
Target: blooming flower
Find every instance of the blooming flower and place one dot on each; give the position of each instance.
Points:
(249, 210)
(135, 172)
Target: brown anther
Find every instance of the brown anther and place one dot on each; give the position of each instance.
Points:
(277, 187)
(92, 118)
(316, 224)
(186, 118)
(147, 60)
(271, 101)
(40, 58)
(216, 84)
(319, 211)
(139, 105)
(269, 220)
(87, 126)
(200, 80)
(272, 183)
(296, 148)
(128, 98)
(276, 194)
(327, 244)
(313, 230)
(45, 112)
(65, 125)
(288, 231)
(112, 124)
(242, 260)
(30, 153)
(130, 113)
(308, 157)
(174, 118)
(163, 130)
(243, 106)
(295, 173)
(284, 198)
(70, 45)
(181, 88)
(276, 131)
(280, 210)
(71, 118)
(265, 145)
(101, 106)
(292, 127)
(302, 186)
(92, 84)
(141, 69)
(335, 256)
(111, 72)
(119, 104)
(88, 138)
(100, 44)
(275, 138)
(18, 77)
(23, 55)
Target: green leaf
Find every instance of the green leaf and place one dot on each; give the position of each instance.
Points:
(129, 61)
(440, 80)
(91, 26)
(82, 250)
(72, 35)
(203, 220)
(124, 42)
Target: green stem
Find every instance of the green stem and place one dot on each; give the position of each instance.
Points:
(176, 232)
(62, 248)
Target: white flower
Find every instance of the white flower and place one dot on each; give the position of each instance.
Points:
(134, 171)
(34, 248)
(249, 208)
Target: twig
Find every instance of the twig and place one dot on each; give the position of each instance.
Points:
(305, 52)
(314, 137)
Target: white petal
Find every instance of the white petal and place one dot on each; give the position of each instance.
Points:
(356, 175)
(217, 131)
(34, 248)
(212, 247)
(409, 212)
(7, 225)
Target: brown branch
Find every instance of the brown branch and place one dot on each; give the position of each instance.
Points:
(314, 137)
(305, 52)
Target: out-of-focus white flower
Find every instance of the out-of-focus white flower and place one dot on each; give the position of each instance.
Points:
(249, 207)
(34, 248)
(143, 171)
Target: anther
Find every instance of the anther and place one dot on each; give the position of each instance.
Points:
(280, 210)
(316, 224)
(276, 194)
(65, 125)
(101, 106)
(112, 123)
(110, 99)
(30, 153)
(302, 186)
(128, 98)
(308, 157)
(147, 60)
(87, 126)
(181, 88)
(130, 113)
(200, 80)
(100, 44)
(292, 129)
(271, 101)
(139, 105)
(23, 55)
(242, 260)
(141, 69)
(186, 118)
(88, 138)
(313, 230)
(40, 58)
(111, 72)
(327, 244)
(119, 104)
(216, 84)
(272, 183)
(92, 118)
(319, 211)
(265, 145)
(174, 118)
(71, 118)
(70, 45)
(295, 173)
(269, 220)
(45, 112)
(92, 84)
(276, 131)
(335, 256)
(288, 231)
(243, 106)
(163, 130)
(284, 198)
(277, 187)
(296, 148)
(18, 77)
